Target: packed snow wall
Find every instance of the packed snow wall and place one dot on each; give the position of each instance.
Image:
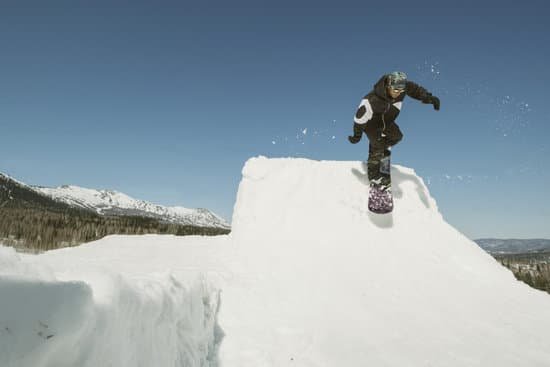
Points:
(330, 284)
(107, 303)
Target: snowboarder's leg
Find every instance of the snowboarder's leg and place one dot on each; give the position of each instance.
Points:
(381, 139)
(393, 134)
(373, 162)
(374, 131)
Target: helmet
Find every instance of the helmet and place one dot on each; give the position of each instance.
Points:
(397, 80)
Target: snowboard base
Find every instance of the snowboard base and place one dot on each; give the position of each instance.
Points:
(380, 199)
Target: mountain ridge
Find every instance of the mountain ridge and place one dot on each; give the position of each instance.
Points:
(107, 202)
(32, 221)
(513, 245)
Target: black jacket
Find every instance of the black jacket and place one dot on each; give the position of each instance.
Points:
(380, 108)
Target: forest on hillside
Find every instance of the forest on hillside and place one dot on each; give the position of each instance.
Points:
(531, 268)
(30, 221)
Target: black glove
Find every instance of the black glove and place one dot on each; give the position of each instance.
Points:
(432, 100)
(354, 139)
(435, 102)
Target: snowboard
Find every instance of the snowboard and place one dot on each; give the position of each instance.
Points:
(380, 196)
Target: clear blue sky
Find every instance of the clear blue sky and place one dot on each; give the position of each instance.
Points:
(165, 100)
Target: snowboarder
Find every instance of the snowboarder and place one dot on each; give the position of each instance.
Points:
(376, 117)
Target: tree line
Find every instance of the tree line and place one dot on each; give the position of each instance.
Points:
(31, 221)
(532, 268)
(38, 229)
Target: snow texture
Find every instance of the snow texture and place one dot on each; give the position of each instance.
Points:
(308, 277)
(79, 308)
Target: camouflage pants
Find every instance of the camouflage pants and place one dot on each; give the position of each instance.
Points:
(381, 138)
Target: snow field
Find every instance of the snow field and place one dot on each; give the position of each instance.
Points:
(308, 277)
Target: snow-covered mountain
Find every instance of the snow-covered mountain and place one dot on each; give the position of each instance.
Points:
(109, 202)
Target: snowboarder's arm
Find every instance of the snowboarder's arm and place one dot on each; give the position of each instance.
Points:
(363, 114)
(415, 91)
(357, 133)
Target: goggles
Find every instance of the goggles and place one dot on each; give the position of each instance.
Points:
(397, 88)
